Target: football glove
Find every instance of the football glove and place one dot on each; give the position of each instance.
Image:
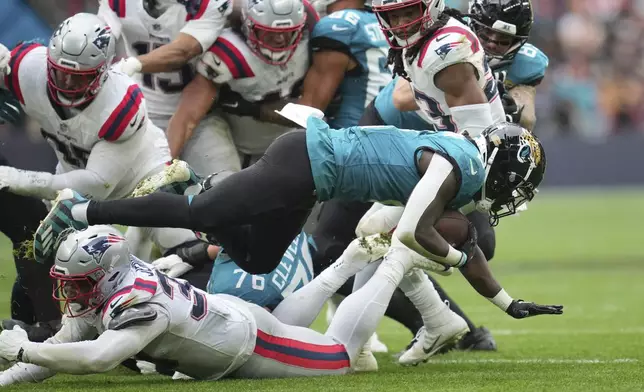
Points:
(129, 66)
(232, 102)
(172, 266)
(11, 342)
(10, 109)
(520, 309)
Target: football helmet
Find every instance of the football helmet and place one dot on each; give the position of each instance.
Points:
(502, 26)
(82, 260)
(515, 163)
(80, 53)
(273, 28)
(404, 22)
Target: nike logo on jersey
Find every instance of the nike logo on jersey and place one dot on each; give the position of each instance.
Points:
(230, 105)
(472, 171)
(338, 28)
(115, 303)
(134, 120)
(442, 37)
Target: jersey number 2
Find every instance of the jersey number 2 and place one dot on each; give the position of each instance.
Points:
(198, 298)
(176, 84)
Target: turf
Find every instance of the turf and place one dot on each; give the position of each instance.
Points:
(581, 249)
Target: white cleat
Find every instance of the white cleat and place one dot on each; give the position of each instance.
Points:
(376, 345)
(146, 367)
(177, 174)
(427, 343)
(180, 376)
(366, 362)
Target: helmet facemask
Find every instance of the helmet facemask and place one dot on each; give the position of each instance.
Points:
(71, 87)
(405, 23)
(78, 294)
(499, 41)
(276, 44)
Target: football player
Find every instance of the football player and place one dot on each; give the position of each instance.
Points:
(163, 39)
(139, 311)
(264, 62)
(95, 118)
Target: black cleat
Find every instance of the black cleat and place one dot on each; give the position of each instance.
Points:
(479, 339)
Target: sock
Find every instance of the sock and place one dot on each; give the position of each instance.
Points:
(79, 212)
(358, 315)
(452, 305)
(303, 306)
(420, 291)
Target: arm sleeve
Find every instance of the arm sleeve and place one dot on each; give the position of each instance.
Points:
(96, 356)
(207, 20)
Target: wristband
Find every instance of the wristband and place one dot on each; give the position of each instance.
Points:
(502, 300)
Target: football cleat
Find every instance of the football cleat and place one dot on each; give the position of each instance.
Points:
(480, 339)
(58, 221)
(177, 177)
(429, 342)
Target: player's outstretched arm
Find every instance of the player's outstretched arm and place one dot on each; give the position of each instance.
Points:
(72, 330)
(478, 274)
(85, 357)
(196, 100)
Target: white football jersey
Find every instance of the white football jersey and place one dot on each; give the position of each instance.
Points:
(140, 33)
(116, 114)
(455, 43)
(208, 336)
(230, 61)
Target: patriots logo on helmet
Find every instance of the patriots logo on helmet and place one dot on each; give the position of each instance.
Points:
(102, 41)
(100, 245)
(444, 50)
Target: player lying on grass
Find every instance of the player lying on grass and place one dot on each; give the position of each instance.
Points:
(139, 311)
(255, 214)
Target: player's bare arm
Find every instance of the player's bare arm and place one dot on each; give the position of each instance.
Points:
(320, 85)
(525, 96)
(404, 96)
(460, 84)
(172, 56)
(196, 100)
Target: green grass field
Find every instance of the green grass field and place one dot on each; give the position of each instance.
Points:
(580, 249)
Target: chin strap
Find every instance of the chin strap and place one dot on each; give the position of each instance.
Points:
(485, 204)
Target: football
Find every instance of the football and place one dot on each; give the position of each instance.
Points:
(453, 226)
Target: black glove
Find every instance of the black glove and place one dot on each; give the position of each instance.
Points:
(233, 103)
(512, 110)
(468, 247)
(520, 309)
(10, 110)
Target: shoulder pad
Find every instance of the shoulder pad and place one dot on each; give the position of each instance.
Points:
(127, 113)
(132, 315)
(339, 26)
(118, 6)
(448, 46)
(140, 291)
(528, 67)
(225, 60)
(18, 54)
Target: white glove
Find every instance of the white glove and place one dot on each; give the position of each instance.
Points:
(26, 182)
(5, 57)
(11, 343)
(172, 266)
(129, 66)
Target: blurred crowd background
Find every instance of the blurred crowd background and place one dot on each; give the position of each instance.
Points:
(593, 91)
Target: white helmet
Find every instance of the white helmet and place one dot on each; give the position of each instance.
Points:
(83, 259)
(80, 52)
(411, 27)
(273, 28)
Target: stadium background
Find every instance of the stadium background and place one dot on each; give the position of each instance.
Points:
(578, 244)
